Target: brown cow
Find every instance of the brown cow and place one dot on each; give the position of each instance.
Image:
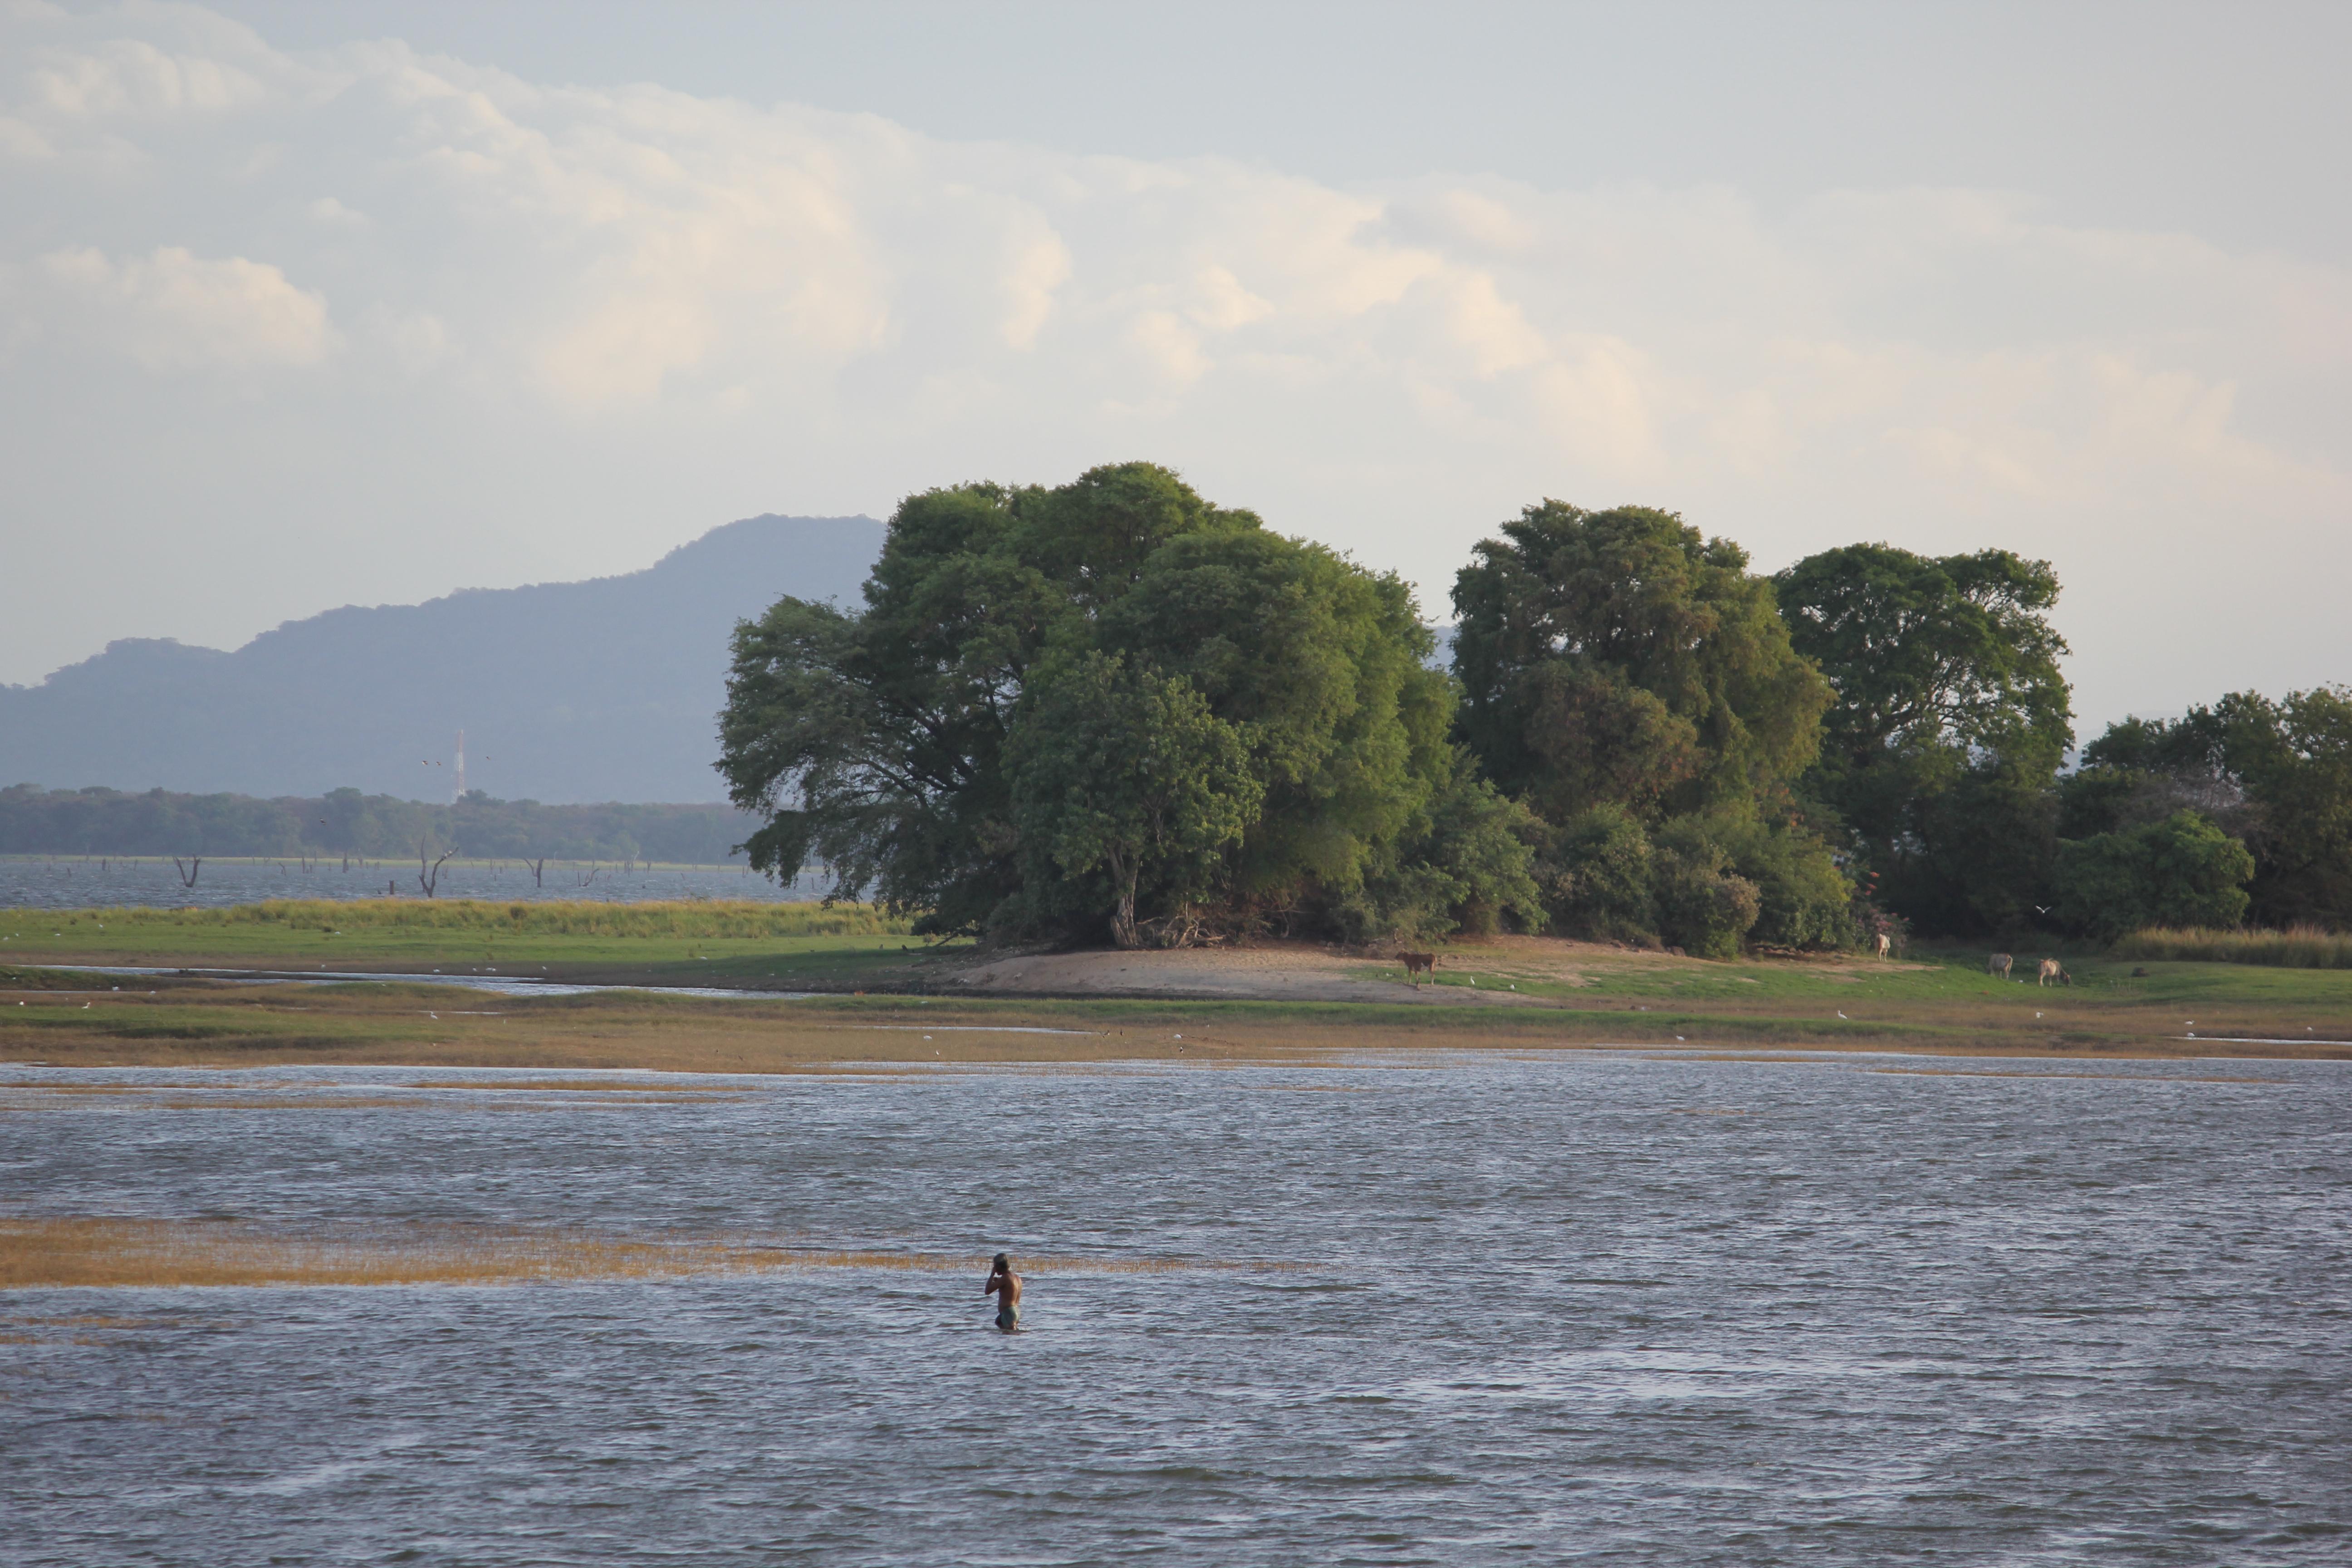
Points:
(1417, 965)
(2054, 970)
(1998, 964)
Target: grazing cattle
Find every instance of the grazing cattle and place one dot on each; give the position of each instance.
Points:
(1998, 964)
(1417, 965)
(2054, 970)
(1886, 944)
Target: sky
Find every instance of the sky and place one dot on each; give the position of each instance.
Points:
(349, 301)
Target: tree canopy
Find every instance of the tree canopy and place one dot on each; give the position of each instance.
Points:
(1932, 651)
(1115, 709)
(1951, 719)
(2275, 774)
(1127, 772)
(1633, 684)
(1115, 706)
(1620, 659)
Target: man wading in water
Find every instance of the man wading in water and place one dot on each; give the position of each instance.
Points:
(1005, 1286)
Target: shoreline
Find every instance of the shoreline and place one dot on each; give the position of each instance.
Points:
(221, 995)
(210, 1024)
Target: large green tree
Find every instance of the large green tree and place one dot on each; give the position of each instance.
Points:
(1620, 659)
(2275, 774)
(905, 746)
(1953, 650)
(1951, 719)
(1126, 772)
(1322, 667)
(2181, 871)
(1632, 683)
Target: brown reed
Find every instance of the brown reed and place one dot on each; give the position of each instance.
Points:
(2297, 947)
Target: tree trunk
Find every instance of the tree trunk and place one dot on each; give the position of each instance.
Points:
(1122, 917)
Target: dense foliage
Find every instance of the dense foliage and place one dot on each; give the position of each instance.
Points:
(1951, 722)
(344, 822)
(1115, 709)
(2181, 871)
(2275, 775)
(1632, 683)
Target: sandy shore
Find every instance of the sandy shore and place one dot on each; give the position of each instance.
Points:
(1481, 973)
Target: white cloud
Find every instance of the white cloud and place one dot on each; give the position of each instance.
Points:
(175, 310)
(1167, 347)
(21, 141)
(332, 213)
(656, 310)
(128, 77)
(1221, 304)
(417, 342)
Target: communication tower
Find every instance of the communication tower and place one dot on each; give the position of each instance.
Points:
(460, 794)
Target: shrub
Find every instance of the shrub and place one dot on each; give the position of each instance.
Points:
(2181, 871)
(1596, 875)
(1805, 899)
(1705, 913)
(1705, 907)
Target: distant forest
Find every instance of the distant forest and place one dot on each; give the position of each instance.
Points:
(34, 821)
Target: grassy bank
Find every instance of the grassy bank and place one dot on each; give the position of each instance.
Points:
(2297, 947)
(780, 946)
(81, 1021)
(883, 987)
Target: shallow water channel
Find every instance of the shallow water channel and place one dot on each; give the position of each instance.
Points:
(1613, 1308)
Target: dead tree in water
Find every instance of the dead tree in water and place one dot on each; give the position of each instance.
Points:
(429, 879)
(537, 867)
(188, 872)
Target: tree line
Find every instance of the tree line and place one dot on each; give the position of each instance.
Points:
(34, 821)
(1112, 710)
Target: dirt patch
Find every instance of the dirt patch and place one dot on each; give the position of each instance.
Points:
(1288, 973)
(1474, 974)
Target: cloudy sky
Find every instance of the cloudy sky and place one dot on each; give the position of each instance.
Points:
(309, 304)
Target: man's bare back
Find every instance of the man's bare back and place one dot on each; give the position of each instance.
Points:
(1005, 1286)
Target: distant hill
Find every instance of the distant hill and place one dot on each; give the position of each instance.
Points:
(603, 690)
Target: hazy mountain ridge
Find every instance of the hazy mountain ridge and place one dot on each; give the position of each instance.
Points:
(598, 690)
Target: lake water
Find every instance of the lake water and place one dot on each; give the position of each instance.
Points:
(62, 883)
(1604, 1308)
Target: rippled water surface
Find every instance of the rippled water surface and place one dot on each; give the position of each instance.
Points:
(1592, 1307)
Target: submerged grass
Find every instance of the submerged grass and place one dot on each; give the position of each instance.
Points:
(2184, 1009)
(2297, 947)
(116, 1252)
